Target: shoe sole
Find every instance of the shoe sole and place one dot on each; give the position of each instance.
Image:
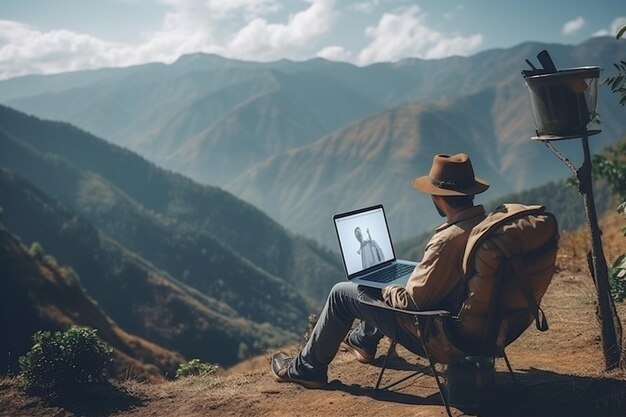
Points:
(304, 383)
(358, 355)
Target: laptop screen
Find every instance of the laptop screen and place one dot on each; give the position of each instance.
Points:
(364, 239)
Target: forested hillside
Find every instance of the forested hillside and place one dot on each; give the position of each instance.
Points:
(205, 265)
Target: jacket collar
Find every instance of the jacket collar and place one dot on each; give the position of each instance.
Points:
(467, 214)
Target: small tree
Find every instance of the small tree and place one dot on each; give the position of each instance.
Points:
(58, 361)
(617, 82)
(615, 172)
(611, 165)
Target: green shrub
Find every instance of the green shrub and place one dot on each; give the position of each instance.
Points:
(36, 251)
(51, 261)
(195, 368)
(60, 360)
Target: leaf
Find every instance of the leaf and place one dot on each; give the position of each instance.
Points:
(620, 263)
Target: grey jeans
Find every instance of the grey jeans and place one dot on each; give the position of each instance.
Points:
(342, 307)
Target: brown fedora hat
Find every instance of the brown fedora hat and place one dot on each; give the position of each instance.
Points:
(451, 175)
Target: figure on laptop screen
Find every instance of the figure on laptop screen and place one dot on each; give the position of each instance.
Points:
(370, 251)
(452, 185)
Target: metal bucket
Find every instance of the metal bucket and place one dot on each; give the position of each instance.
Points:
(563, 102)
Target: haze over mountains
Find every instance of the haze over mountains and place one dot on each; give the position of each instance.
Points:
(303, 140)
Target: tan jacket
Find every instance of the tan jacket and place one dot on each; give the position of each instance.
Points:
(435, 280)
(440, 271)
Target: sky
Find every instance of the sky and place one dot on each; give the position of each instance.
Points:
(52, 36)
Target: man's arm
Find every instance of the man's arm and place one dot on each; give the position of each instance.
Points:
(433, 278)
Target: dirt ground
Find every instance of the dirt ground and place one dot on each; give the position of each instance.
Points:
(558, 373)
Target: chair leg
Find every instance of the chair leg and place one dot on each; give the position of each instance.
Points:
(392, 345)
(436, 375)
(508, 365)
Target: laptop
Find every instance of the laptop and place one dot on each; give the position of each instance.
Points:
(367, 251)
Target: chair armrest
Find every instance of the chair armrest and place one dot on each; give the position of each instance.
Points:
(383, 305)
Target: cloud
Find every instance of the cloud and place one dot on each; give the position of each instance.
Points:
(219, 9)
(404, 34)
(262, 40)
(335, 53)
(364, 6)
(573, 26)
(233, 28)
(614, 27)
(25, 50)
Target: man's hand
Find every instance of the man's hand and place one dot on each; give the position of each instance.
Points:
(396, 296)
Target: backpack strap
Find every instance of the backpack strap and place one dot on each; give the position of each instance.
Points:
(541, 322)
(494, 318)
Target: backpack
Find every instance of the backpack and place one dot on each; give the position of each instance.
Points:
(509, 261)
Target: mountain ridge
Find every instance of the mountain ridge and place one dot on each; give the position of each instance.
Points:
(385, 152)
(488, 117)
(141, 298)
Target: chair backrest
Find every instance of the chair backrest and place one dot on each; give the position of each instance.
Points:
(509, 262)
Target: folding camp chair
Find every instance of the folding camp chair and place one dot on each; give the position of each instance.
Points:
(509, 262)
(425, 321)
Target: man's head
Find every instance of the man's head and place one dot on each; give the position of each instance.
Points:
(451, 180)
(358, 234)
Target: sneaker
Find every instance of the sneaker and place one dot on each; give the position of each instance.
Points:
(282, 368)
(359, 353)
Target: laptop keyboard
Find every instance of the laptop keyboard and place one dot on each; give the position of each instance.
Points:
(390, 273)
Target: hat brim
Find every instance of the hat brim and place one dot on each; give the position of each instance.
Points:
(425, 185)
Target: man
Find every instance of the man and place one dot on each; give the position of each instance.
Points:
(452, 185)
(370, 251)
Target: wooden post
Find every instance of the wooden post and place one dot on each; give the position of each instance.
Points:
(607, 316)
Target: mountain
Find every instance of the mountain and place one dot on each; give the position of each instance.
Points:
(198, 259)
(211, 139)
(101, 178)
(139, 297)
(251, 280)
(374, 160)
(45, 296)
(237, 124)
(207, 125)
(195, 114)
